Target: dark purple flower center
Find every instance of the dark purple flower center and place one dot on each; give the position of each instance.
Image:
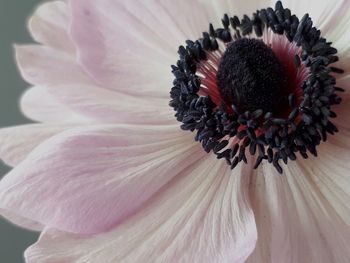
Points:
(272, 99)
(251, 76)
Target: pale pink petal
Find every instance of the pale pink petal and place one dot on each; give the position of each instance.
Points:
(95, 102)
(129, 45)
(304, 214)
(18, 141)
(102, 173)
(104, 105)
(64, 87)
(44, 66)
(202, 215)
(20, 221)
(49, 25)
(39, 105)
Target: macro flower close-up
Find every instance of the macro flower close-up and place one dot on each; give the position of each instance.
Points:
(183, 131)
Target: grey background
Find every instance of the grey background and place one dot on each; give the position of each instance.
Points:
(13, 16)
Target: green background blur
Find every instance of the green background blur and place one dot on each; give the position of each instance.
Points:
(13, 17)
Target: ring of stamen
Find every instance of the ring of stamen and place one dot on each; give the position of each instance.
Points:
(211, 94)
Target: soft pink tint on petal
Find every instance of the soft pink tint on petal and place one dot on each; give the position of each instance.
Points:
(109, 106)
(129, 45)
(202, 215)
(39, 105)
(20, 221)
(66, 93)
(303, 215)
(18, 141)
(102, 173)
(49, 25)
(45, 66)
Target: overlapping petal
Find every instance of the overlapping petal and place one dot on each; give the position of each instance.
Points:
(180, 204)
(18, 141)
(130, 45)
(49, 25)
(21, 221)
(39, 105)
(90, 179)
(107, 106)
(202, 215)
(46, 66)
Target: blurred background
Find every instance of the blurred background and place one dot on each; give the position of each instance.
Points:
(13, 17)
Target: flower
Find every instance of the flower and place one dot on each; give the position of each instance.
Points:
(107, 175)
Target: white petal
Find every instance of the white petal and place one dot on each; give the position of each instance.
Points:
(49, 25)
(334, 21)
(332, 17)
(218, 8)
(39, 105)
(335, 28)
(331, 173)
(303, 215)
(321, 12)
(17, 142)
(202, 215)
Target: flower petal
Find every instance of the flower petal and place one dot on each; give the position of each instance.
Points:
(321, 12)
(130, 45)
(109, 106)
(39, 105)
(66, 88)
(20, 221)
(45, 66)
(202, 215)
(335, 27)
(303, 216)
(218, 8)
(104, 173)
(17, 142)
(333, 19)
(49, 25)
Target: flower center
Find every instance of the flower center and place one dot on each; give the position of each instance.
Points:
(262, 85)
(251, 77)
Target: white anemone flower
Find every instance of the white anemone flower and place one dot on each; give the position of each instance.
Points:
(254, 175)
